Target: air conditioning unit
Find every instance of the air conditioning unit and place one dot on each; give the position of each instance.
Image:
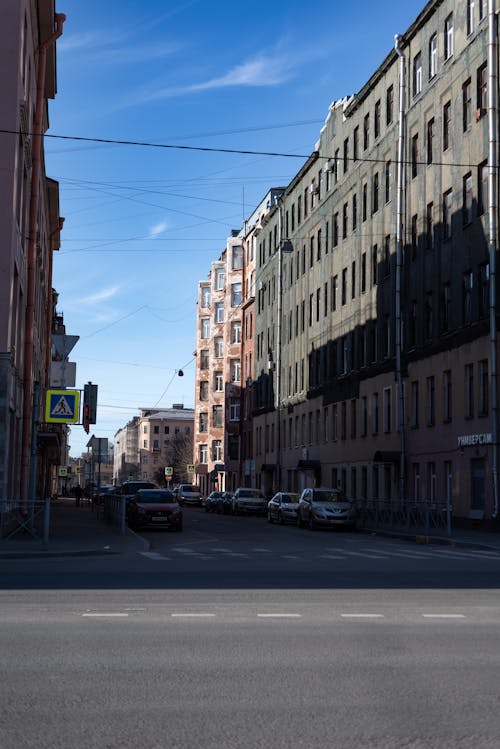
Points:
(270, 366)
(329, 165)
(262, 286)
(314, 189)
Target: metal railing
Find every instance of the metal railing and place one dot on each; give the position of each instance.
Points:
(423, 517)
(28, 516)
(114, 511)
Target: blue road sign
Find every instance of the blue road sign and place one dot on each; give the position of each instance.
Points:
(62, 406)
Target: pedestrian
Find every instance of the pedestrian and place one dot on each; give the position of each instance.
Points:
(78, 494)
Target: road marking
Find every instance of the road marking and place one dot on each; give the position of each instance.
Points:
(329, 556)
(225, 551)
(193, 616)
(460, 554)
(266, 550)
(444, 616)
(362, 616)
(407, 554)
(359, 554)
(113, 614)
(290, 556)
(153, 555)
(280, 616)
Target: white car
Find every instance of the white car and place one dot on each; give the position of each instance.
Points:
(324, 507)
(250, 500)
(188, 494)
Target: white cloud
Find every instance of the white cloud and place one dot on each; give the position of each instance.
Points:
(100, 296)
(263, 70)
(157, 229)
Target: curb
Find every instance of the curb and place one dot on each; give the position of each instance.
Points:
(419, 538)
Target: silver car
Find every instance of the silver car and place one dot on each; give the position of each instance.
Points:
(249, 500)
(188, 494)
(324, 507)
(283, 507)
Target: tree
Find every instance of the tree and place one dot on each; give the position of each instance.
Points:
(179, 454)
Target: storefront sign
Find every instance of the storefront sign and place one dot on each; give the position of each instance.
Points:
(468, 440)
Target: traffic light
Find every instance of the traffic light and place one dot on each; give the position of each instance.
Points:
(89, 405)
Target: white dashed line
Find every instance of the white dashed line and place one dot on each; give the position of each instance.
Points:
(104, 614)
(193, 616)
(330, 556)
(153, 555)
(280, 616)
(362, 616)
(443, 616)
(263, 550)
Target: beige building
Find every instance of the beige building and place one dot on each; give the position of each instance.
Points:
(156, 439)
(373, 362)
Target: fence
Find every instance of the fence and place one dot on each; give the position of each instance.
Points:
(29, 516)
(408, 516)
(114, 511)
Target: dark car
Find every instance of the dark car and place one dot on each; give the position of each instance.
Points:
(154, 508)
(104, 491)
(283, 507)
(325, 507)
(212, 500)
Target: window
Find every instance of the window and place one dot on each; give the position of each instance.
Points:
(417, 74)
(366, 131)
(429, 227)
(236, 294)
(375, 193)
(414, 236)
(354, 211)
(203, 422)
(346, 155)
(355, 143)
(446, 125)
(364, 416)
(344, 286)
(448, 37)
(363, 272)
(431, 481)
(353, 279)
(204, 358)
(217, 450)
(482, 178)
(414, 405)
(219, 312)
(235, 370)
(468, 287)
(433, 46)
(447, 395)
(364, 208)
(428, 315)
(470, 16)
(412, 324)
(334, 282)
(467, 198)
(217, 416)
(353, 419)
(237, 263)
(387, 256)
(335, 229)
(446, 308)
(484, 289)
(469, 391)
(344, 221)
(447, 202)
(343, 420)
(219, 279)
(218, 382)
(481, 4)
(389, 105)
(482, 90)
(414, 156)
(218, 347)
(374, 265)
(431, 402)
(205, 327)
(205, 296)
(203, 454)
(388, 182)
(430, 140)
(376, 120)
(236, 332)
(204, 390)
(466, 105)
(483, 388)
(387, 410)
(374, 413)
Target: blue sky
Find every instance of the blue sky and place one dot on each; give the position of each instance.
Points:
(143, 224)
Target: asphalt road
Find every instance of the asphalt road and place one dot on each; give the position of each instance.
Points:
(240, 634)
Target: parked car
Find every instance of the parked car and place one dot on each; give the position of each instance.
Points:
(154, 508)
(188, 494)
(324, 507)
(283, 507)
(103, 492)
(212, 501)
(130, 488)
(247, 499)
(225, 504)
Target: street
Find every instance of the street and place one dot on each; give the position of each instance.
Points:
(237, 633)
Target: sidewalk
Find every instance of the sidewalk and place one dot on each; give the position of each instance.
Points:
(74, 531)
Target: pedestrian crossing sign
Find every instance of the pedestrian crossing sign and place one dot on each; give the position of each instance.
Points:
(62, 406)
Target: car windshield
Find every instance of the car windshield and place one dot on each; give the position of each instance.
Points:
(250, 493)
(188, 489)
(290, 499)
(327, 496)
(131, 488)
(155, 495)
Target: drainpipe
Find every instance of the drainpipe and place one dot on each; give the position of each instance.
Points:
(278, 347)
(399, 262)
(28, 416)
(492, 221)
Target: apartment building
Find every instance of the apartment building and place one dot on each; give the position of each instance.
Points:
(373, 365)
(30, 233)
(156, 439)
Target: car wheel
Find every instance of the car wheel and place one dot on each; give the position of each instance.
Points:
(312, 523)
(269, 517)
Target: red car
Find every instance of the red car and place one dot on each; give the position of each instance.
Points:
(154, 508)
